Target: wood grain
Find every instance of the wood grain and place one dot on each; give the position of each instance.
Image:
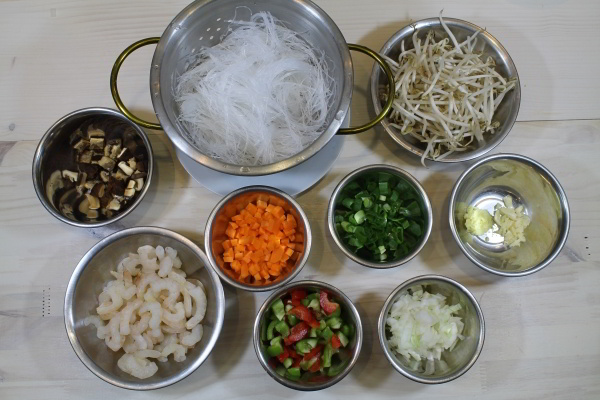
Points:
(542, 330)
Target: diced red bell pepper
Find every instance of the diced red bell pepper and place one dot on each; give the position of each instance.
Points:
(283, 355)
(298, 332)
(292, 352)
(296, 362)
(335, 342)
(327, 306)
(303, 313)
(316, 366)
(316, 352)
(298, 294)
(295, 302)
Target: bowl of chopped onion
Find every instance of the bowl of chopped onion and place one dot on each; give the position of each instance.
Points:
(457, 91)
(509, 215)
(431, 329)
(143, 308)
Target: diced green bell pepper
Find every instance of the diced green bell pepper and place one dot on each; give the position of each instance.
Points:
(292, 319)
(337, 312)
(263, 331)
(278, 309)
(334, 322)
(327, 334)
(327, 354)
(275, 348)
(313, 333)
(270, 328)
(288, 307)
(305, 302)
(314, 304)
(343, 339)
(306, 345)
(280, 370)
(282, 328)
(288, 362)
(293, 373)
(345, 329)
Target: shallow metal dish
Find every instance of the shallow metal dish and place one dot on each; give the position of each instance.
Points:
(214, 233)
(55, 144)
(484, 185)
(350, 312)
(508, 109)
(91, 275)
(466, 351)
(425, 205)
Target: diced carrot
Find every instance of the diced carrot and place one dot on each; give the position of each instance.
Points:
(230, 232)
(247, 257)
(251, 208)
(234, 242)
(291, 245)
(226, 245)
(289, 232)
(239, 255)
(289, 252)
(278, 211)
(255, 226)
(237, 218)
(270, 208)
(244, 240)
(298, 238)
(265, 274)
(284, 258)
(244, 271)
(233, 225)
(276, 254)
(228, 259)
(257, 277)
(291, 220)
(261, 204)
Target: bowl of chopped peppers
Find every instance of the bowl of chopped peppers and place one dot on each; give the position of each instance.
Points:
(380, 216)
(308, 335)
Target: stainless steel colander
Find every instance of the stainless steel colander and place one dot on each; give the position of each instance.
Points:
(206, 23)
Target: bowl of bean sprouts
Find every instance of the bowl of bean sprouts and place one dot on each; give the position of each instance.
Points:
(457, 90)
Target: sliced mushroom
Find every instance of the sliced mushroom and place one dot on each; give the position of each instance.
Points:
(129, 193)
(107, 163)
(137, 174)
(141, 166)
(139, 184)
(93, 202)
(96, 143)
(81, 144)
(95, 133)
(131, 184)
(114, 205)
(125, 168)
(104, 176)
(115, 150)
(54, 183)
(84, 206)
(90, 169)
(75, 136)
(131, 162)
(92, 214)
(70, 175)
(85, 157)
(119, 175)
(98, 190)
(125, 154)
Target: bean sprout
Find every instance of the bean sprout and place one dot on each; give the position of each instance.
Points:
(446, 94)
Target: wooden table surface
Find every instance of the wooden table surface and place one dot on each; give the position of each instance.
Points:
(543, 331)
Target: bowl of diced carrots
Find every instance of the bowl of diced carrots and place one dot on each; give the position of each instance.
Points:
(257, 238)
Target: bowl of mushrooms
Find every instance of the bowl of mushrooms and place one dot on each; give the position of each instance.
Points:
(92, 167)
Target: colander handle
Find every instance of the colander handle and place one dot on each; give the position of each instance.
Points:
(113, 82)
(391, 91)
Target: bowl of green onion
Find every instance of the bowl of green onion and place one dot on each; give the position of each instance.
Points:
(380, 216)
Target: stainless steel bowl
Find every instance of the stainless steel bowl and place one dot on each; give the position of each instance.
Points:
(55, 144)
(90, 277)
(425, 206)
(348, 310)
(466, 351)
(214, 233)
(506, 113)
(529, 184)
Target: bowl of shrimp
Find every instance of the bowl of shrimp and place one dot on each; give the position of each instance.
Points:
(144, 308)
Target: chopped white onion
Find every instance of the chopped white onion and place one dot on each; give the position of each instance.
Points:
(422, 326)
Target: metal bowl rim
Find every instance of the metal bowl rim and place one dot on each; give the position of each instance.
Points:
(451, 22)
(394, 171)
(178, 138)
(387, 351)
(359, 335)
(70, 322)
(208, 238)
(564, 233)
(37, 164)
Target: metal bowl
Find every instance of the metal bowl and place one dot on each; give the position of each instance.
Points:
(90, 277)
(506, 114)
(466, 351)
(55, 145)
(214, 233)
(400, 173)
(349, 311)
(529, 184)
